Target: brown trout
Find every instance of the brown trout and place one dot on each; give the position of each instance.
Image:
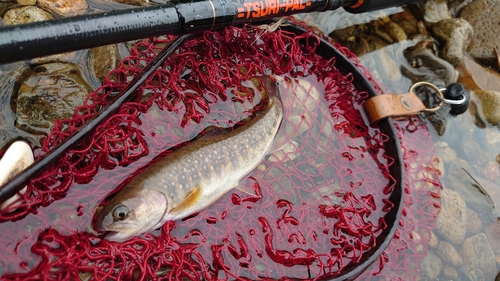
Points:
(190, 178)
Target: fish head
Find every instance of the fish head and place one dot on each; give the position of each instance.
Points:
(127, 216)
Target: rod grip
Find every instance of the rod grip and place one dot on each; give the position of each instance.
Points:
(371, 5)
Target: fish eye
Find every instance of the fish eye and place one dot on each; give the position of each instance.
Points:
(120, 212)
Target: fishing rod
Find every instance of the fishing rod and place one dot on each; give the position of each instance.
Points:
(27, 41)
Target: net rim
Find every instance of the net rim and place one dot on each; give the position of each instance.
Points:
(392, 146)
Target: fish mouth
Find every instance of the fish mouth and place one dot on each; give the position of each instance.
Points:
(117, 236)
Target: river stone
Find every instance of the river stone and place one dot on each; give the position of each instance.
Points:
(445, 152)
(455, 6)
(435, 11)
(450, 273)
(451, 219)
(429, 267)
(473, 188)
(490, 101)
(474, 224)
(64, 8)
(456, 34)
(493, 234)
(53, 91)
(105, 59)
(26, 14)
(433, 241)
(483, 16)
(26, 2)
(448, 254)
(479, 259)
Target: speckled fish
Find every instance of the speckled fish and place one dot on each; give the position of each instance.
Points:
(190, 178)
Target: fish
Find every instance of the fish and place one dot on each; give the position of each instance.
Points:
(190, 178)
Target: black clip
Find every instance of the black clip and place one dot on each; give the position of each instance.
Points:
(457, 97)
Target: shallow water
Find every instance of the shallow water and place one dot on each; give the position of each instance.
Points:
(467, 146)
(77, 202)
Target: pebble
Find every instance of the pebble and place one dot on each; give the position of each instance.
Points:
(492, 232)
(435, 11)
(451, 220)
(483, 16)
(460, 180)
(64, 8)
(105, 59)
(474, 224)
(448, 254)
(490, 101)
(450, 273)
(479, 259)
(17, 157)
(51, 92)
(445, 152)
(388, 65)
(26, 2)
(491, 171)
(429, 267)
(456, 35)
(433, 241)
(492, 137)
(26, 14)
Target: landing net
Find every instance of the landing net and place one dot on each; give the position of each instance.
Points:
(318, 203)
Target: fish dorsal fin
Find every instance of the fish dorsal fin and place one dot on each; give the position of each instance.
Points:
(189, 201)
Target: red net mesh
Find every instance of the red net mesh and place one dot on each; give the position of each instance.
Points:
(318, 205)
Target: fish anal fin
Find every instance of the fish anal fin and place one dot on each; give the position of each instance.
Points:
(247, 185)
(191, 199)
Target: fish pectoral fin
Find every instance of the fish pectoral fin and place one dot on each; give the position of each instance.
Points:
(191, 199)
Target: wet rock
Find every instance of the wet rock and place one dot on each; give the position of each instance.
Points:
(25, 14)
(53, 91)
(445, 152)
(105, 59)
(450, 273)
(9, 85)
(368, 37)
(492, 232)
(134, 2)
(430, 267)
(395, 31)
(435, 11)
(389, 66)
(433, 241)
(476, 76)
(490, 101)
(456, 6)
(409, 24)
(425, 65)
(476, 115)
(479, 259)
(64, 8)
(492, 138)
(26, 2)
(456, 34)
(451, 220)
(474, 224)
(483, 16)
(461, 181)
(17, 158)
(491, 171)
(448, 254)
